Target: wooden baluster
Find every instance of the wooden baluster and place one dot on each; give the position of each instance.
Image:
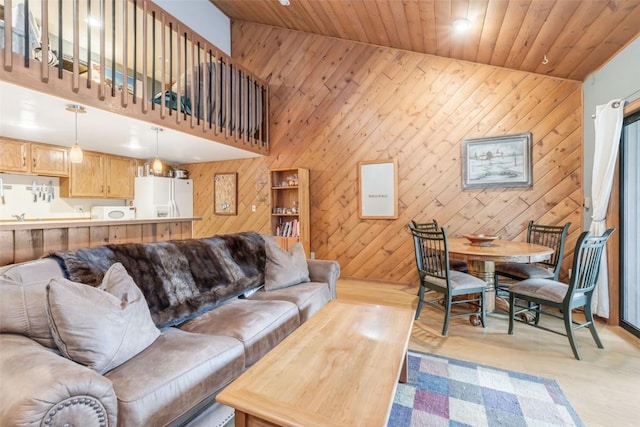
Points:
(230, 92)
(153, 55)
(224, 98)
(256, 112)
(265, 117)
(113, 48)
(185, 55)
(179, 89)
(238, 105)
(241, 118)
(247, 109)
(200, 73)
(44, 43)
(178, 85)
(135, 50)
(218, 96)
(163, 78)
(27, 35)
(125, 53)
(206, 88)
(213, 91)
(145, 76)
(8, 36)
(102, 85)
(60, 50)
(89, 66)
(75, 85)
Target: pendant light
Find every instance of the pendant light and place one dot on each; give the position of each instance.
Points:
(157, 165)
(75, 154)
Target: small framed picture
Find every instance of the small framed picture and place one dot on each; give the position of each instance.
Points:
(225, 193)
(378, 195)
(502, 161)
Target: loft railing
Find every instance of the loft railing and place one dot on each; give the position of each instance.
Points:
(133, 58)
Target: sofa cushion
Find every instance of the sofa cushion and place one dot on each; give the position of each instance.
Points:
(309, 297)
(100, 328)
(284, 268)
(259, 325)
(179, 278)
(23, 294)
(179, 370)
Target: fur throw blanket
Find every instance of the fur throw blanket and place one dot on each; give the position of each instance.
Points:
(179, 278)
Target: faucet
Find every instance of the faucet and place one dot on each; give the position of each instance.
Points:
(20, 217)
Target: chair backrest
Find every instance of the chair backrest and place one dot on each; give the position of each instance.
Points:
(551, 236)
(586, 262)
(424, 226)
(432, 251)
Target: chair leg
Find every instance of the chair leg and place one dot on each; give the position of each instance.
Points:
(592, 326)
(447, 313)
(568, 324)
(512, 310)
(538, 307)
(483, 309)
(420, 302)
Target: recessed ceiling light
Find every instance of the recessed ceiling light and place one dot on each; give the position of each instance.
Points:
(461, 25)
(285, 2)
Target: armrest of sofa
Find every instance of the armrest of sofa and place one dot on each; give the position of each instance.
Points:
(40, 387)
(324, 271)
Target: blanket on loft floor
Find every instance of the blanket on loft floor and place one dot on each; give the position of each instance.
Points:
(179, 278)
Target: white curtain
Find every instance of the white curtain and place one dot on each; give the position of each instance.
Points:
(608, 126)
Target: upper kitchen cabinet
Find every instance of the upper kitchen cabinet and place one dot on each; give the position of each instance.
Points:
(120, 172)
(49, 160)
(36, 159)
(100, 175)
(14, 156)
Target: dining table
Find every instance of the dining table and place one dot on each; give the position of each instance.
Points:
(481, 260)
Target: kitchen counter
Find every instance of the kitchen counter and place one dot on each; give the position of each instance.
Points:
(26, 240)
(29, 224)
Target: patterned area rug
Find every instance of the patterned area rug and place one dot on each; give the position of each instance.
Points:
(450, 392)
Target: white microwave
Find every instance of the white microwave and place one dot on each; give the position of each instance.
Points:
(113, 212)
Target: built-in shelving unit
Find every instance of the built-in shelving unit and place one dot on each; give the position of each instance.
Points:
(290, 207)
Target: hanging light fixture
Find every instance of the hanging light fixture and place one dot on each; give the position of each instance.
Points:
(157, 165)
(75, 154)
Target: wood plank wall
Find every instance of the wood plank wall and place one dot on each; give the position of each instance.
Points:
(334, 103)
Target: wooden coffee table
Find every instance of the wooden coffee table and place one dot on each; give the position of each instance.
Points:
(340, 368)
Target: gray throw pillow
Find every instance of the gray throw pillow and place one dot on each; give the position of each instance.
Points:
(100, 327)
(284, 268)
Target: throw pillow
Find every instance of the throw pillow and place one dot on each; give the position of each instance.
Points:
(284, 268)
(100, 327)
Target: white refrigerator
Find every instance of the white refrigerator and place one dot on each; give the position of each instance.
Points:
(160, 197)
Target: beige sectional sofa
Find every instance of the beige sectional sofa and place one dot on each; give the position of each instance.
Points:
(146, 334)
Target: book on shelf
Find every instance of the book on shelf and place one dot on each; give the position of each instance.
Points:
(288, 229)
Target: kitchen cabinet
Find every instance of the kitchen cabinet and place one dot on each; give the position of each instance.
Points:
(120, 172)
(100, 176)
(23, 157)
(14, 156)
(49, 160)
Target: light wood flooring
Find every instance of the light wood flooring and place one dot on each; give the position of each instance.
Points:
(603, 388)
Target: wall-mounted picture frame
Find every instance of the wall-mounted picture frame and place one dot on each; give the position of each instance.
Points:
(378, 192)
(497, 162)
(225, 193)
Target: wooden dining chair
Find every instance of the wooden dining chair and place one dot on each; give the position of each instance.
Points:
(432, 260)
(565, 298)
(455, 264)
(551, 236)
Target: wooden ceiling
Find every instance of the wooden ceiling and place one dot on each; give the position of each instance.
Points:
(562, 38)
